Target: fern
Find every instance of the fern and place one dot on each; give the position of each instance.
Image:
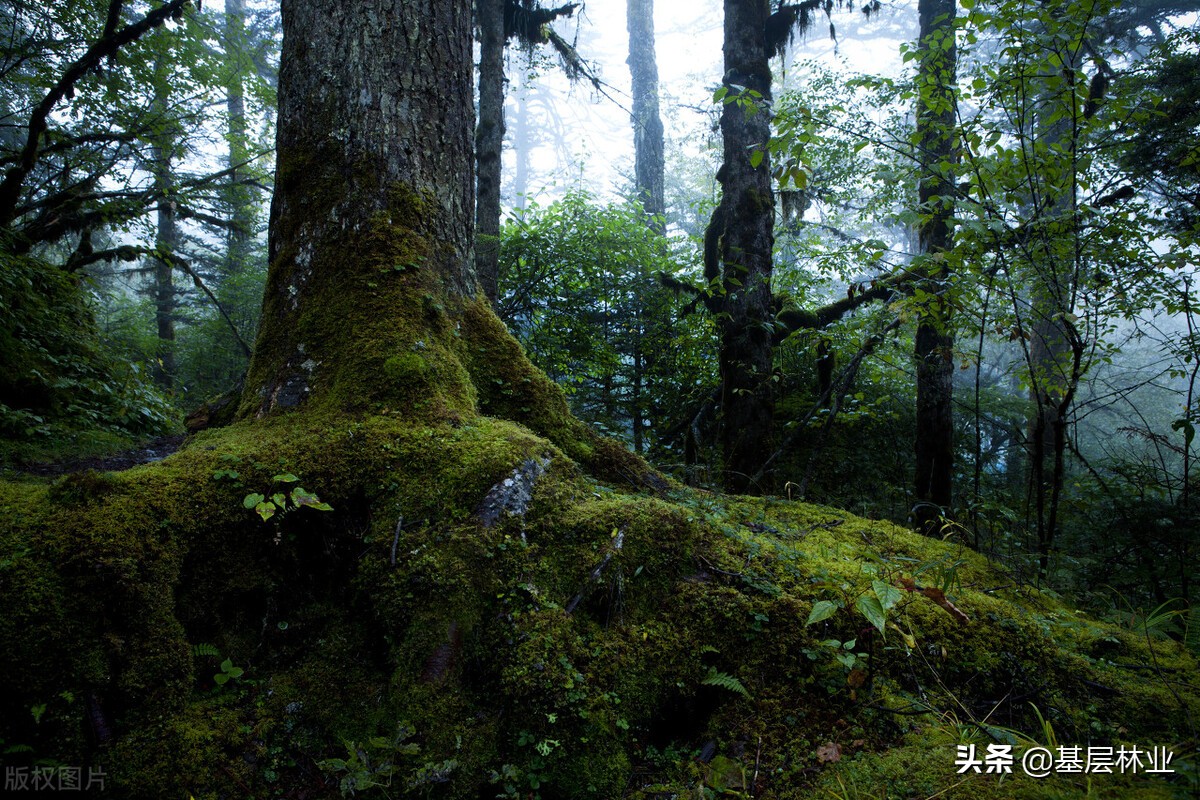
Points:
(725, 681)
(203, 650)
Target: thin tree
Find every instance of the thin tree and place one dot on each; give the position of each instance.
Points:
(933, 350)
(648, 162)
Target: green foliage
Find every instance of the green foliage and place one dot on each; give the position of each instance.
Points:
(281, 500)
(89, 206)
(580, 288)
(725, 681)
(56, 378)
(1165, 147)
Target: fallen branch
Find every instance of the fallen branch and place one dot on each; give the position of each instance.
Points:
(937, 596)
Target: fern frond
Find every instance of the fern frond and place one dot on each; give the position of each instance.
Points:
(203, 650)
(725, 681)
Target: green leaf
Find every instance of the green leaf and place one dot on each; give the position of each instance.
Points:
(285, 477)
(1189, 430)
(266, 510)
(756, 158)
(252, 500)
(868, 605)
(301, 497)
(888, 595)
(821, 610)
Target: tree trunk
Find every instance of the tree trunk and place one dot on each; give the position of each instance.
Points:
(934, 348)
(647, 124)
(743, 230)
(164, 285)
(522, 143)
(166, 241)
(489, 142)
(239, 198)
(371, 218)
(1055, 351)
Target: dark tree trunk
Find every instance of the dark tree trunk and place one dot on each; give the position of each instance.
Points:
(489, 141)
(166, 241)
(373, 205)
(934, 349)
(743, 231)
(647, 124)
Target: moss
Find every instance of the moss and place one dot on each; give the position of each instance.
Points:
(510, 387)
(536, 651)
(362, 286)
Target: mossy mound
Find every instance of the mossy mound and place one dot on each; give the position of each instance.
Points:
(165, 624)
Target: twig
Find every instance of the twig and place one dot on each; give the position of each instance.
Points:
(396, 538)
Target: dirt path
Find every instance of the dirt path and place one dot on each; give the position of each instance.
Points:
(155, 450)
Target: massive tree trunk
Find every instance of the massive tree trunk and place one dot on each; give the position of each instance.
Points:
(742, 232)
(489, 139)
(373, 203)
(933, 350)
(647, 124)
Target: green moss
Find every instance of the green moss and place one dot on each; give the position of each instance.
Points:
(568, 653)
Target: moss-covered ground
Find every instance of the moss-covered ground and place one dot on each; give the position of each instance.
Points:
(159, 628)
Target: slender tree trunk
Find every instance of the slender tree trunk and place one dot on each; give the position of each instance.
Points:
(637, 378)
(934, 348)
(239, 197)
(647, 124)
(743, 229)
(489, 143)
(166, 241)
(522, 141)
(1055, 349)
(371, 222)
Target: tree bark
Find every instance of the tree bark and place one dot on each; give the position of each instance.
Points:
(743, 230)
(934, 348)
(240, 198)
(163, 144)
(647, 124)
(165, 241)
(373, 204)
(489, 139)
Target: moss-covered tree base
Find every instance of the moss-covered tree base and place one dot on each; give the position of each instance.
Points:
(608, 643)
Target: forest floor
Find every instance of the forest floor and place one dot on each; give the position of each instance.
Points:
(153, 450)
